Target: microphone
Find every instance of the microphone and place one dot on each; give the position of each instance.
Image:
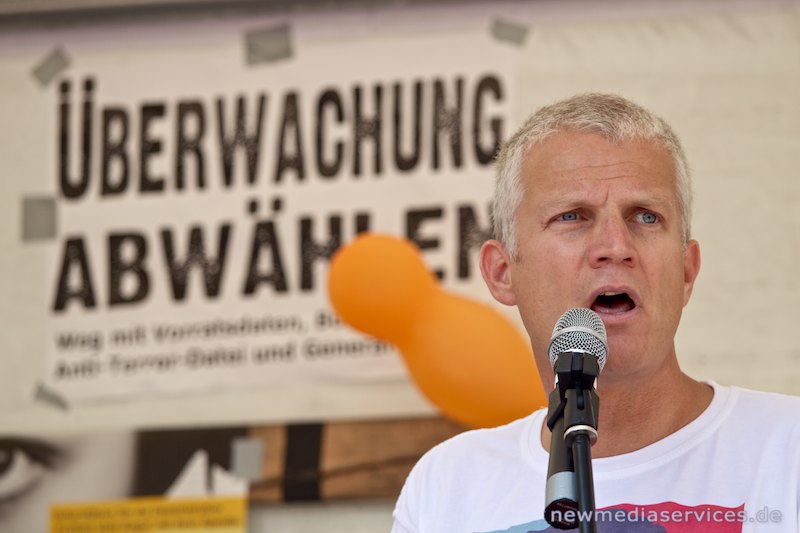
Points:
(578, 351)
(579, 330)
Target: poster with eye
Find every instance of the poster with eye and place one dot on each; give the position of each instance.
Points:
(201, 479)
(200, 196)
(121, 481)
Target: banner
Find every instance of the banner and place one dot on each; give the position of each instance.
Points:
(199, 200)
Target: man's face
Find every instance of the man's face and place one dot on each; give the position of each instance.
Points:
(599, 226)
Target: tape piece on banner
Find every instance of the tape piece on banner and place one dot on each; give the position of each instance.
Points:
(301, 472)
(50, 67)
(268, 45)
(509, 32)
(50, 397)
(247, 456)
(38, 218)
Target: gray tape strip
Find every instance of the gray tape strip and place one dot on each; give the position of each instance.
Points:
(38, 218)
(509, 32)
(268, 45)
(50, 397)
(247, 456)
(50, 67)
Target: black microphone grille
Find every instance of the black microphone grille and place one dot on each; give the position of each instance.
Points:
(579, 329)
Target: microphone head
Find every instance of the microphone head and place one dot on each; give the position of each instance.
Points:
(579, 329)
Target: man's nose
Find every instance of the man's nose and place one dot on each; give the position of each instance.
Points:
(612, 242)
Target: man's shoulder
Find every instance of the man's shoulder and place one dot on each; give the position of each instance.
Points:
(457, 475)
(766, 411)
(753, 400)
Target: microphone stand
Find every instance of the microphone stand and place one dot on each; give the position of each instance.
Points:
(572, 419)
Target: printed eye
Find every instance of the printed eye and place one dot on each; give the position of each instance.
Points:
(647, 217)
(23, 464)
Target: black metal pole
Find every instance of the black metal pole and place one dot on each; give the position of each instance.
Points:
(582, 459)
(581, 407)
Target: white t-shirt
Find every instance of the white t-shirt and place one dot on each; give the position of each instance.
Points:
(736, 468)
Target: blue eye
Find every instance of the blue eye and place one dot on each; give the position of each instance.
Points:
(571, 216)
(648, 217)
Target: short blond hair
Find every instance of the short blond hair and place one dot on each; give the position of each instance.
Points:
(611, 116)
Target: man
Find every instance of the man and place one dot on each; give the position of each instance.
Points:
(592, 209)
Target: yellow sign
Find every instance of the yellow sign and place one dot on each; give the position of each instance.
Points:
(152, 515)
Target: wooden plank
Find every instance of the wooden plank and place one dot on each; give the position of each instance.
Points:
(357, 459)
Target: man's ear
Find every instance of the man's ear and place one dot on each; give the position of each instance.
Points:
(691, 268)
(496, 271)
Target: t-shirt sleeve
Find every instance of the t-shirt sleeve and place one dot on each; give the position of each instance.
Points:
(405, 512)
(408, 510)
(399, 527)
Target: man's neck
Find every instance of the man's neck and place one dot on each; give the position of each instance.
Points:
(638, 413)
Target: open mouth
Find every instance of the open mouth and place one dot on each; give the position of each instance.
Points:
(613, 303)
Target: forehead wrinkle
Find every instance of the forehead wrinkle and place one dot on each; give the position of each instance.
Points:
(586, 173)
(626, 169)
(563, 168)
(577, 195)
(606, 165)
(584, 179)
(641, 198)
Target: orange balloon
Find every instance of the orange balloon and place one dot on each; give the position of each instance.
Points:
(465, 357)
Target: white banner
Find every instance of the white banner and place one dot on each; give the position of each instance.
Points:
(200, 197)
